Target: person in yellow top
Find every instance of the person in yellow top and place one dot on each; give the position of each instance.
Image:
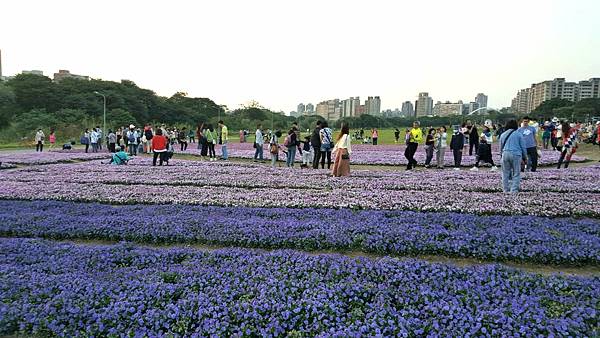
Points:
(224, 138)
(416, 136)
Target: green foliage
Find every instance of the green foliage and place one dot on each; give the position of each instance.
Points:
(7, 105)
(565, 109)
(34, 119)
(119, 118)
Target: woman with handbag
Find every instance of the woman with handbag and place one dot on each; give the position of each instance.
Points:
(274, 147)
(342, 151)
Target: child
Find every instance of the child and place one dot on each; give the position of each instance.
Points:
(307, 154)
(169, 153)
(456, 144)
(484, 154)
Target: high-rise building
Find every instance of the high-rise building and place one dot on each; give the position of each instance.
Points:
(310, 109)
(373, 105)
(330, 109)
(65, 74)
(301, 109)
(407, 109)
(424, 106)
(448, 108)
(530, 98)
(482, 100)
(350, 106)
(520, 103)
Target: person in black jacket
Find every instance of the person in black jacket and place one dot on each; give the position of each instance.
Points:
(315, 141)
(473, 138)
(456, 144)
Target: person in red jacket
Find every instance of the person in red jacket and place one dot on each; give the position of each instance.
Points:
(159, 146)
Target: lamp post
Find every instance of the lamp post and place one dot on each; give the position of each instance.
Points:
(104, 115)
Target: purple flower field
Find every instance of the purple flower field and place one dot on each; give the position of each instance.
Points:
(123, 290)
(385, 155)
(500, 238)
(51, 288)
(30, 157)
(208, 183)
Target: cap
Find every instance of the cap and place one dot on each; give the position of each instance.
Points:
(131, 126)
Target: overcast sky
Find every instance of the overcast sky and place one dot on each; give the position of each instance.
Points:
(280, 52)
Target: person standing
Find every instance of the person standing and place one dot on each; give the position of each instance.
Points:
(290, 144)
(396, 135)
(307, 154)
(149, 134)
(546, 135)
(374, 136)
(274, 147)
(315, 141)
(182, 138)
(528, 133)
(415, 137)
(191, 136)
(258, 143)
(429, 147)
(473, 138)
(159, 147)
(52, 138)
(512, 148)
(342, 150)
(94, 140)
(100, 139)
(112, 141)
(210, 139)
(132, 138)
(39, 140)
(440, 145)
(326, 138)
(85, 139)
(457, 143)
(224, 140)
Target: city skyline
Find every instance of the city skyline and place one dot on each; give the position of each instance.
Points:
(251, 51)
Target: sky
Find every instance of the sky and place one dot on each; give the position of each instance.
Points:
(280, 53)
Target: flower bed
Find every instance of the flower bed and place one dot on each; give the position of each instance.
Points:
(134, 291)
(259, 186)
(500, 238)
(49, 157)
(386, 155)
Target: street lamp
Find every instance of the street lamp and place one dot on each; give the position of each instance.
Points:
(104, 115)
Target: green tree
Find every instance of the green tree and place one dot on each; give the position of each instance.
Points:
(34, 119)
(34, 91)
(8, 105)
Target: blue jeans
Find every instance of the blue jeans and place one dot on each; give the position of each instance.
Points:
(224, 151)
(291, 155)
(258, 154)
(511, 172)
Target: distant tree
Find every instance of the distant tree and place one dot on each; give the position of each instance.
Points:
(33, 91)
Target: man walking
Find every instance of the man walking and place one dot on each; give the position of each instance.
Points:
(416, 136)
(258, 144)
(315, 141)
(224, 137)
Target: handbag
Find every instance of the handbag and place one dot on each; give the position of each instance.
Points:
(274, 149)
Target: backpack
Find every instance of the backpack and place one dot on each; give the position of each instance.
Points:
(131, 137)
(287, 141)
(84, 140)
(148, 134)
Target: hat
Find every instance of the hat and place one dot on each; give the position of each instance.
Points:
(597, 122)
(555, 119)
(131, 126)
(118, 148)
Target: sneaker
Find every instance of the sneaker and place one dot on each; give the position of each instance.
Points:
(474, 169)
(456, 169)
(494, 168)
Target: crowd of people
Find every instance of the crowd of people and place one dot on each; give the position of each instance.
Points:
(518, 144)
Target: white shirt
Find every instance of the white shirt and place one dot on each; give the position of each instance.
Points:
(344, 143)
(259, 137)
